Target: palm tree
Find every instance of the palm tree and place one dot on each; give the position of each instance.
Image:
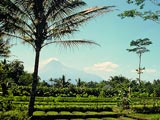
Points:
(64, 82)
(78, 82)
(139, 48)
(44, 22)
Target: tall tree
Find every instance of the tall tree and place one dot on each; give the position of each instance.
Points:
(139, 48)
(64, 82)
(44, 22)
(78, 82)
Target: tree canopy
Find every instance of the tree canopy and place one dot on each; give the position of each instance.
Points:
(141, 11)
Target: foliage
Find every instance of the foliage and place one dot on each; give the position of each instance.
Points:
(147, 110)
(14, 115)
(145, 116)
(38, 113)
(4, 48)
(5, 105)
(61, 82)
(52, 113)
(16, 69)
(141, 10)
(11, 70)
(115, 86)
(25, 79)
(20, 90)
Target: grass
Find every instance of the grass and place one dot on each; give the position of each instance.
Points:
(146, 116)
(78, 107)
(52, 113)
(39, 113)
(91, 113)
(14, 115)
(65, 113)
(109, 118)
(93, 119)
(106, 112)
(125, 118)
(78, 113)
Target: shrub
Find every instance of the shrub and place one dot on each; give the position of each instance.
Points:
(38, 113)
(14, 115)
(147, 110)
(52, 113)
(5, 105)
(78, 113)
(65, 113)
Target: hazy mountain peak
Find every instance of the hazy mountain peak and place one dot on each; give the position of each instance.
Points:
(55, 69)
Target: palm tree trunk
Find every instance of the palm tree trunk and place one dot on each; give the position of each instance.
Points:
(139, 70)
(34, 84)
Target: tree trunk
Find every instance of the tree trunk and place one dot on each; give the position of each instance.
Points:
(4, 89)
(139, 69)
(34, 84)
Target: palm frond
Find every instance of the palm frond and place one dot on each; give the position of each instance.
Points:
(71, 43)
(75, 20)
(62, 8)
(58, 33)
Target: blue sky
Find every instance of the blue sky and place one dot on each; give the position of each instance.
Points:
(114, 35)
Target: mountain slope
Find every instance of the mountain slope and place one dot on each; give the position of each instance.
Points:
(55, 69)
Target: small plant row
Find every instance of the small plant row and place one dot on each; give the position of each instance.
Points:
(65, 103)
(143, 116)
(75, 99)
(72, 115)
(71, 91)
(60, 99)
(71, 108)
(9, 105)
(146, 110)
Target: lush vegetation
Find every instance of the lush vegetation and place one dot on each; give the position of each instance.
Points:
(42, 22)
(117, 98)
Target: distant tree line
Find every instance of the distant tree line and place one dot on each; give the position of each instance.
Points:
(15, 79)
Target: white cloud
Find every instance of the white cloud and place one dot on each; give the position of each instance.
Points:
(45, 62)
(103, 67)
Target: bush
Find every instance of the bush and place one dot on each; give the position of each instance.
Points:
(5, 105)
(78, 113)
(38, 113)
(147, 110)
(65, 113)
(13, 115)
(52, 113)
